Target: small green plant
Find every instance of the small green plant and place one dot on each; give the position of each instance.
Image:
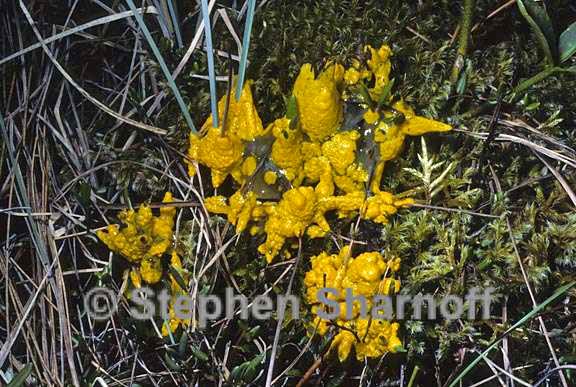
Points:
(557, 49)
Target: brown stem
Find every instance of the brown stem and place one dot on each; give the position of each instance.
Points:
(309, 372)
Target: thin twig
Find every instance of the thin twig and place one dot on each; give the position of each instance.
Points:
(281, 314)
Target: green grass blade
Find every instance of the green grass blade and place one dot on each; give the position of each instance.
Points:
(561, 291)
(163, 21)
(163, 66)
(210, 54)
(175, 23)
(20, 379)
(245, 47)
(540, 22)
(567, 43)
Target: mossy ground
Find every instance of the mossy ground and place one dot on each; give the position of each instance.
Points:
(510, 206)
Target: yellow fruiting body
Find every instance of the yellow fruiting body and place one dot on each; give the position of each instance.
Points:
(319, 162)
(378, 337)
(390, 137)
(290, 218)
(151, 269)
(319, 103)
(414, 125)
(222, 149)
(371, 117)
(270, 177)
(345, 205)
(176, 290)
(333, 72)
(355, 73)
(367, 275)
(286, 149)
(239, 210)
(380, 66)
(318, 168)
(352, 76)
(243, 121)
(341, 150)
(144, 238)
(382, 205)
(219, 152)
(300, 211)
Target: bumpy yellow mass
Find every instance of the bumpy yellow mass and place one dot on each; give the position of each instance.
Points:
(222, 149)
(144, 238)
(390, 136)
(219, 152)
(287, 149)
(375, 72)
(367, 275)
(377, 338)
(300, 211)
(382, 205)
(292, 216)
(414, 125)
(380, 66)
(356, 72)
(243, 121)
(239, 210)
(318, 167)
(341, 151)
(320, 163)
(319, 102)
(270, 177)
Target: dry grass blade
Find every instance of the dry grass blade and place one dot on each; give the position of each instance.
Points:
(99, 104)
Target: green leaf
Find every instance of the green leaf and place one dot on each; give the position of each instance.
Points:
(567, 43)
(200, 355)
(20, 379)
(291, 108)
(247, 371)
(252, 333)
(171, 363)
(182, 345)
(84, 191)
(540, 22)
(177, 277)
(386, 93)
(363, 90)
(462, 82)
(413, 377)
